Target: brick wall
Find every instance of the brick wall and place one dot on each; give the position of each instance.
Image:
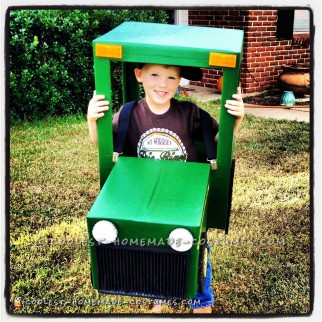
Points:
(263, 52)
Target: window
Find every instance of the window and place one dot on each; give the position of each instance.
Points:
(292, 22)
(301, 22)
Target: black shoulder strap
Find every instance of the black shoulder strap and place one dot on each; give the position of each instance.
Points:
(208, 134)
(124, 121)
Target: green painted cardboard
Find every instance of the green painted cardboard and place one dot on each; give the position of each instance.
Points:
(175, 45)
(146, 199)
(153, 191)
(149, 198)
(172, 44)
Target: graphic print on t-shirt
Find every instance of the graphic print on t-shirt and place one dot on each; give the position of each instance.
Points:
(159, 143)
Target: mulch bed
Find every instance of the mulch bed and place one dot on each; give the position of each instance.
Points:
(270, 98)
(266, 100)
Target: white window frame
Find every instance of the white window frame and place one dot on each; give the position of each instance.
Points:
(181, 17)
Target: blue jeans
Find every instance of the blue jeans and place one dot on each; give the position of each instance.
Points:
(207, 297)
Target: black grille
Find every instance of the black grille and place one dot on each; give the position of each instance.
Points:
(142, 271)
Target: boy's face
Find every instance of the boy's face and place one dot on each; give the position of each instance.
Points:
(160, 83)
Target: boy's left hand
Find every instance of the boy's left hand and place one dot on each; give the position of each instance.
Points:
(236, 107)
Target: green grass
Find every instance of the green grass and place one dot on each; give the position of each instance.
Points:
(261, 267)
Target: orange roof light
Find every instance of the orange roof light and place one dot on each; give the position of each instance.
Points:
(222, 60)
(108, 51)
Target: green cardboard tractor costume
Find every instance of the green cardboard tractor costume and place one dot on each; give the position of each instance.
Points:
(147, 227)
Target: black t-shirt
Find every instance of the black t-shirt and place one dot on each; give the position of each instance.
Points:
(167, 136)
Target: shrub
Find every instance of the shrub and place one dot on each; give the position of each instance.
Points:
(51, 58)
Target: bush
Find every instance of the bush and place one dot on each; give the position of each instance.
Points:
(51, 58)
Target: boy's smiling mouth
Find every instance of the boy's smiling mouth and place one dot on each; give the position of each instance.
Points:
(161, 93)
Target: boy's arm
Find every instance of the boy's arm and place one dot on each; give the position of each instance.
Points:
(96, 108)
(236, 107)
(92, 129)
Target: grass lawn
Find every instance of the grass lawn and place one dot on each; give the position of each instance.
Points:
(261, 267)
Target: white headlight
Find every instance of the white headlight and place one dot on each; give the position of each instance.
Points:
(180, 239)
(104, 232)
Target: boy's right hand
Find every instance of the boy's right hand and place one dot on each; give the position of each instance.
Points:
(96, 107)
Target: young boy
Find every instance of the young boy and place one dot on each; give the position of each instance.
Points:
(171, 125)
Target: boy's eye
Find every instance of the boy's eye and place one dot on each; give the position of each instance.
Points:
(172, 77)
(154, 75)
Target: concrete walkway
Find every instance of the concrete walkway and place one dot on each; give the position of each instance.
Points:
(296, 114)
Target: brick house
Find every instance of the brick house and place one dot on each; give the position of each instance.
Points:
(272, 38)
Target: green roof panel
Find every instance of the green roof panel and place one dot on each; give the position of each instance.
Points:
(183, 45)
